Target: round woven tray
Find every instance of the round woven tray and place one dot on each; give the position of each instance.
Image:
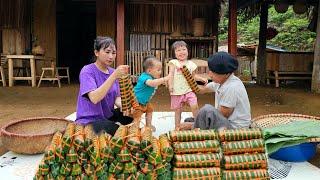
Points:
(272, 120)
(33, 135)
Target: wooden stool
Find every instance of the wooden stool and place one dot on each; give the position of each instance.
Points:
(67, 73)
(54, 78)
(3, 77)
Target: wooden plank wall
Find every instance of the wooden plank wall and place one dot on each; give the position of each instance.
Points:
(0, 41)
(168, 18)
(293, 62)
(15, 25)
(106, 18)
(147, 42)
(44, 25)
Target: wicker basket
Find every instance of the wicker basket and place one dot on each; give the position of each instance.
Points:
(31, 136)
(272, 120)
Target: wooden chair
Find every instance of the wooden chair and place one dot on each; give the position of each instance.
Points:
(54, 72)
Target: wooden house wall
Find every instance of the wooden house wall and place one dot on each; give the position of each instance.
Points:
(289, 61)
(44, 25)
(106, 18)
(150, 25)
(168, 18)
(0, 40)
(15, 26)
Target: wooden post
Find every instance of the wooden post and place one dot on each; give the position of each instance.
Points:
(33, 71)
(262, 56)
(315, 86)
(120, 32)
(232, 30)
(10, 70)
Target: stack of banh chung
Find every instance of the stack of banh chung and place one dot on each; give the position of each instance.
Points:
(79, 153)
(197, 154)
(244, 154)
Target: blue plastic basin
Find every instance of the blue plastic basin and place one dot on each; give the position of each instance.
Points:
(297, 153)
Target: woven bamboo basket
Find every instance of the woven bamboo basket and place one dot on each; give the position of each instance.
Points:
(31, 136)
(271, 120)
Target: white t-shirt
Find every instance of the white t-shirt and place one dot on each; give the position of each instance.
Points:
(180, 84)
(233, 94)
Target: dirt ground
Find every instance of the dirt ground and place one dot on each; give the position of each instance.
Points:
(22, 101)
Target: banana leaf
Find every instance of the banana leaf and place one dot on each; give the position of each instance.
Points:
(165, 147)
(197, 147)
(65, 169)
(246, 161)
(193, 135)
(245, 146)
(88, 169)
(197, 160)
(196, 173)
(146, 140)
(43, 168)
(55, 169)
(260, 174)
(79, 138)
(71, 156)
(146, 167)
(240, 134)
(76, 170)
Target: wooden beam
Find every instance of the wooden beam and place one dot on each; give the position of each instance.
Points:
(232, 30)
(120, 32)
(262, 55)
(315, 86)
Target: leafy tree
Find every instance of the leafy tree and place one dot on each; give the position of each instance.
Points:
(293, 34)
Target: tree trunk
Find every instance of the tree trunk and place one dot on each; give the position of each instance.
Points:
(315, 87)
(232, 30)
(262, 63)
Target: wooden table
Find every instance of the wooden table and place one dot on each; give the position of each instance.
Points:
(32, 59)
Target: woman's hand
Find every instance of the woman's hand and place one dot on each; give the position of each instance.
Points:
(121, 70)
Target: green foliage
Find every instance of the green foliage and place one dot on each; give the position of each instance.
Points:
(293, 34)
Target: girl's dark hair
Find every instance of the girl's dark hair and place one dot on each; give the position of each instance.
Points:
(103, 42)
(178, 44)
(148, 62)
